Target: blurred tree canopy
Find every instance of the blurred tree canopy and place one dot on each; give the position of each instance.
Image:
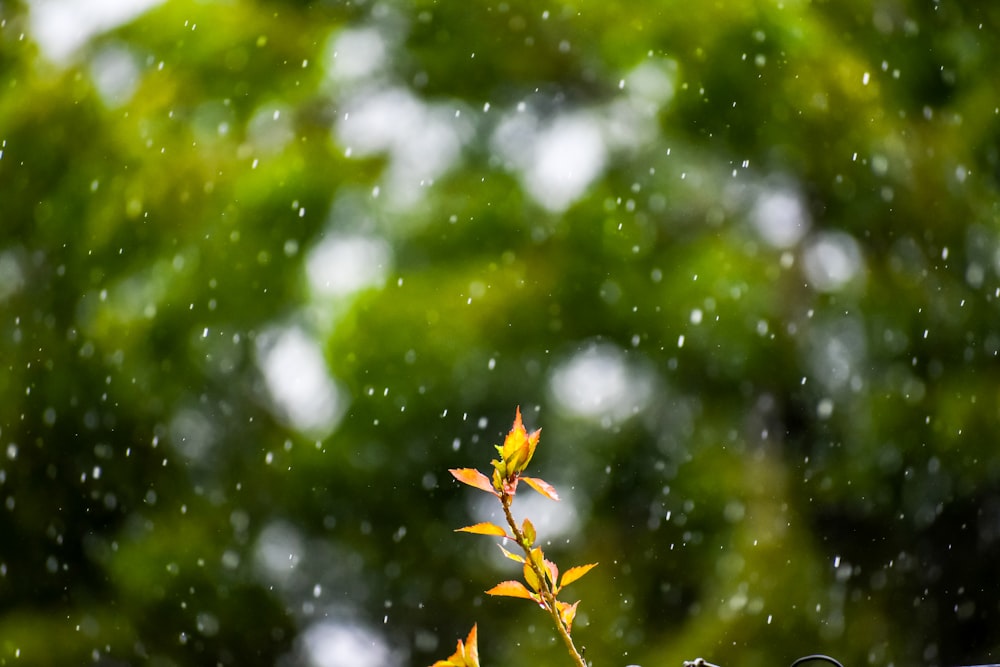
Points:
(268, 269)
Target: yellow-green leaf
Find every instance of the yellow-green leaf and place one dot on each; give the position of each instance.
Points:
(532, 578)
(542, 487)
(528, 530)
(515, 437)
(519, 446)
(485, 528)
(512, 556)
(574, 573)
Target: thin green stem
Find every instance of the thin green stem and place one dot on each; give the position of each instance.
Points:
(548, 597)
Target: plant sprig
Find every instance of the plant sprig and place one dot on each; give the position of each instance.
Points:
(540, 574)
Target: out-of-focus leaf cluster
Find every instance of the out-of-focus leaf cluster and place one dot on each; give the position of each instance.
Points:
(268, 269)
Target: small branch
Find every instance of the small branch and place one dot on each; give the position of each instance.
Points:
(546, 585)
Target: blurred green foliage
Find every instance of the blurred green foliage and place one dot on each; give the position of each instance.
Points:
(268, 269)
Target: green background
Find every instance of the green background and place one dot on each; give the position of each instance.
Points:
(269, 269)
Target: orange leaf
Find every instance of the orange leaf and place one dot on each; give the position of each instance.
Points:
(574, 573)
(567, 612)
(542, 487)
(484, 528)
(511, 589)
(473, 477)
(553, 572)
(465, 655)
(472, 647)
